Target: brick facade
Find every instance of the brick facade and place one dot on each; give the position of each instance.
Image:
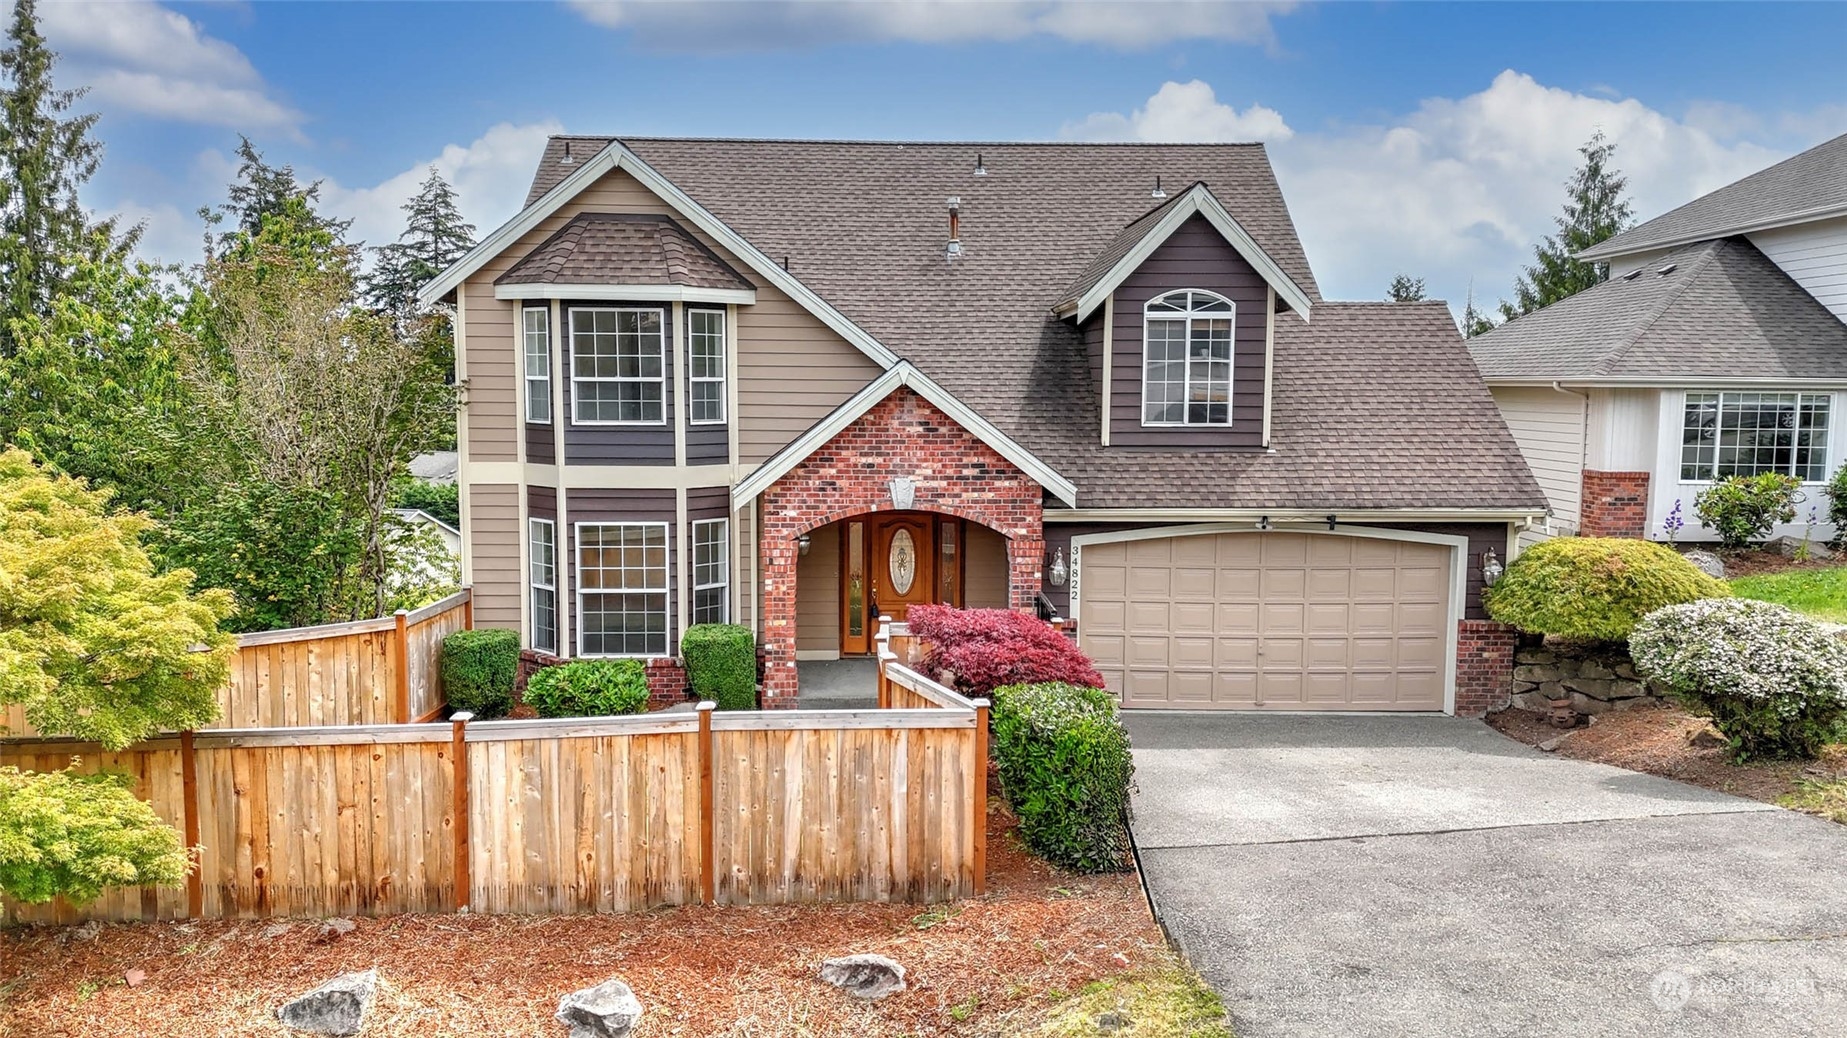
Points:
(955, 474)
(1484, 666)
(1615, 504)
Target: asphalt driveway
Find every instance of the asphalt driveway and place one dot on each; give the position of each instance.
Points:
(1411, 876)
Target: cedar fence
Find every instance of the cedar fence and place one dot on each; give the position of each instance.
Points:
(601, 814)
(381, 671)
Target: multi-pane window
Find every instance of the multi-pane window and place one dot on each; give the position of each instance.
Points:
(1186, 359)
(622, 600)
(1745, 434)
(543, 578)
(705, 364)
(618, 365)
(538, 332)
(711, 571)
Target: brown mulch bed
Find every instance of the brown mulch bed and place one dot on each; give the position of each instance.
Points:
(1750, 562)
(983, 966)
(1656, 740)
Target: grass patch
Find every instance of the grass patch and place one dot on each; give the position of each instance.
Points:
(1821, 593)
(1827, 799)
(1167, 1001)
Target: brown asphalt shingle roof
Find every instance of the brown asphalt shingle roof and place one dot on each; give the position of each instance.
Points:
(1725, 309)
(623, 249)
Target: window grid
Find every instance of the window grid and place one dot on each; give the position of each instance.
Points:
(618, 366)
(1187, 344)
(622, 582)
(711, 571)
(543, 577)
(705, 363)
(1745, 434)
(538, 345)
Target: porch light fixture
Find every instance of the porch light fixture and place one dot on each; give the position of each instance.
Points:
(1058, 572)
(1491, 568)
(803, 543)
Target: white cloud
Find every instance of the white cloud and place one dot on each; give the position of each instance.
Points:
(1461, 188)
(771, 24)
(138, 56)
(1183, 112)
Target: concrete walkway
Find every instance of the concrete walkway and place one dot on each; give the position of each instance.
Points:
(1413, 876)
(844, 684)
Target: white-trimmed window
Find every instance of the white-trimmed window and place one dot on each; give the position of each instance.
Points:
(622, 599)
(705, 365)
(1747, 434)
(1186, 359)
(618, 365)
(711, 571)
(536, 323)
(542, 551)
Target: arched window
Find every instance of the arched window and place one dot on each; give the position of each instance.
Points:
(1186, 359)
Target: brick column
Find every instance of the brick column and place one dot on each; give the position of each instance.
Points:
(1484, 666)
(1615, 504)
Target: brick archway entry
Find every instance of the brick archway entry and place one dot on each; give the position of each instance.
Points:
(955, 474)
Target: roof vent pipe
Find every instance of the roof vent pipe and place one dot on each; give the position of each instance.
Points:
(1157, 192)
(954, 248)
(981, 169)
(567, 160)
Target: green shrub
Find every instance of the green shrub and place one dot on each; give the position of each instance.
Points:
(1773, 681)
(721, 664)
(1836, 490)
(1065, 770)
(1742, 509)
(63, 833)
(1595, 588)
(478, 670)
(589, 688)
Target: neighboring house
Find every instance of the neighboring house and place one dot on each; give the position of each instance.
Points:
(1717, 347)
(435, 466)
(449, 535)
(799, 385)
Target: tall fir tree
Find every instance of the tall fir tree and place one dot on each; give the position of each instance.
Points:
(435, 236)
(260, 192)
(1595, 209)
(46, 154)
(1405, 289)
(1474, 320)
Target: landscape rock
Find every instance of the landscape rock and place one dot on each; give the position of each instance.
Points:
(608, 1010)
(1706, 738)
(1112, 1021)
(1707, 563)
(1536, 673)
(337, 1007)
(864, 976)
(1797, 547)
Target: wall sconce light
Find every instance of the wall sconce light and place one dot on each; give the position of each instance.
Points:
(1059, 572)
(1491, 568)
(803, 543)
(1333, 521)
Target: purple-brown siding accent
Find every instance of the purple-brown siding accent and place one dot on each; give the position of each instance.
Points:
(708, 503)
(541, 442)
(621, 506)
(1195, 256)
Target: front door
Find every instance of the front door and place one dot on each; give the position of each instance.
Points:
(902, 564)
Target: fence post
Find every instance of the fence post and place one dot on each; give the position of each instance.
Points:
(468, 607)
(883, 650)
(189, 789)
(981, 796)
(402, 674)
(459, 807)
(708, 881)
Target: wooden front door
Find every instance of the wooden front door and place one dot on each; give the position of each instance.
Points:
(902, 564)
(891, 561)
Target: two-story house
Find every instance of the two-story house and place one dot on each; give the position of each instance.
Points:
(1717, 347)
(800, 385)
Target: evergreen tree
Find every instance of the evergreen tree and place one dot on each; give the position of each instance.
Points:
(262, 191)
(1405, 289)
(1595, 209)
(1474, 320)
(46, 154)
(434, 237)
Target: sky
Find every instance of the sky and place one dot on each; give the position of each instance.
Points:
(1431, 139)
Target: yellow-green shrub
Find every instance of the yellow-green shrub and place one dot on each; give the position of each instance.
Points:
(1595, 588)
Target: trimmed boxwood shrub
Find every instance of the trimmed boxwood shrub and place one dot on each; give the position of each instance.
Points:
(721, 664)
(1065, 771)
(980, 650)
(1742, 509)
(478, 670)
(589, 688)
(1595, 588)
(1773, 681)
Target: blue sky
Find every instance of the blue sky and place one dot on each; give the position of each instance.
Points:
(1425, 137)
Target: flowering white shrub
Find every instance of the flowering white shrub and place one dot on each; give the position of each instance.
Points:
(1773, 680)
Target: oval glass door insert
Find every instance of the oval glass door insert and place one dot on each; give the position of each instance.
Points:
(903, 562)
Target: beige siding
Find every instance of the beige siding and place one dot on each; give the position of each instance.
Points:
(745, 556)
(1549, 427)
(493, 517)
(1815, 255)
(792, 369)
(985, 575)
(817, 594)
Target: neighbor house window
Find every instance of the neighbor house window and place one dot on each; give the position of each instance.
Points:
(1745, 434)
(618, 365)
(705, 361)
(622, 601)
(711, 571)
(1186, 359)
(543, 578)
(538, 329)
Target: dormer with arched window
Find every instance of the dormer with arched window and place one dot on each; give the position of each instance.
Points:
(1186, 359)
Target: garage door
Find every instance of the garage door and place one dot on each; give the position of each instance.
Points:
(1269, 621)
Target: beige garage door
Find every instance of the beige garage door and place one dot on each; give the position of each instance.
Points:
(1268, 621)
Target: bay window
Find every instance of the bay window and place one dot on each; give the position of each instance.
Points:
(542, 578)
(1186, 359)
(622, 598)
(1746, 434)
(705, 365)
(711, 571)
(618, 365)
